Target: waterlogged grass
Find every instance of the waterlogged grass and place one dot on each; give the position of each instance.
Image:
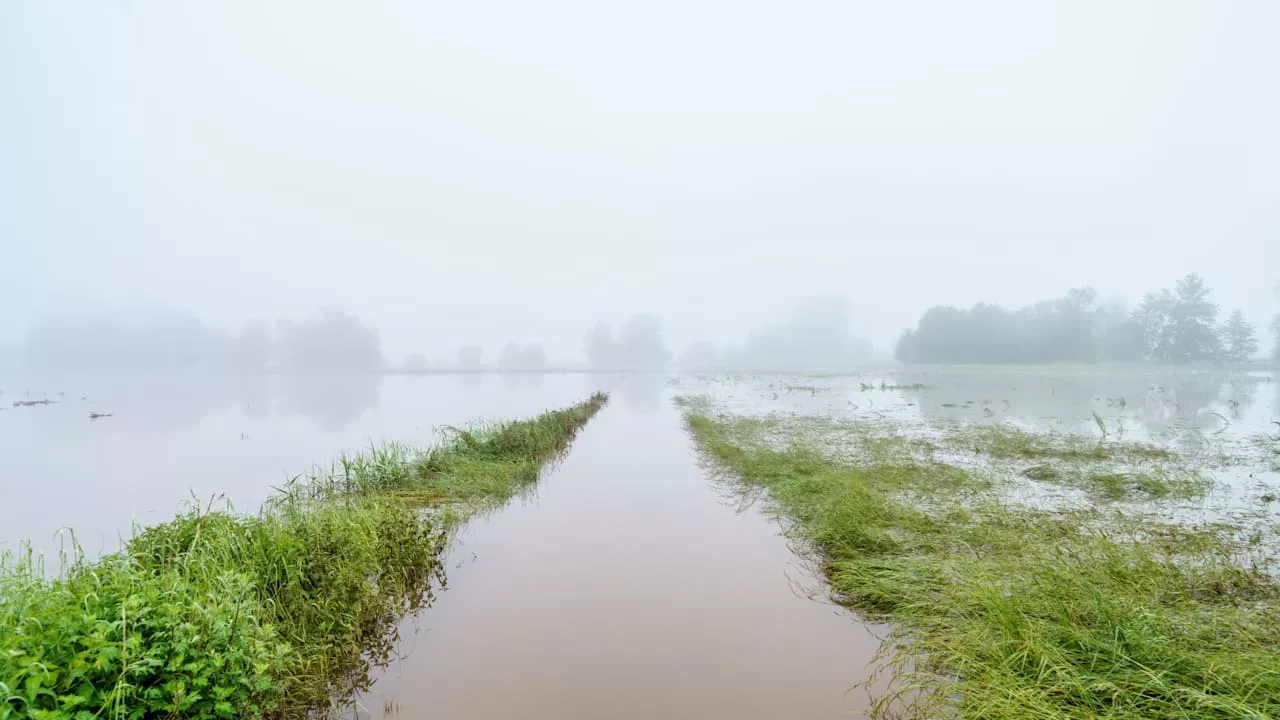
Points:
(1008, 612)
(1153, 483)
(1008, 442)
(219, 615)
(471, 468)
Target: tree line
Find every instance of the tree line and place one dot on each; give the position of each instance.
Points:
(157, 339)
(815, 336)
(1173, 325)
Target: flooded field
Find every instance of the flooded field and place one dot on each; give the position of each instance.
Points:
(627, 586)
(169, 439)
(632, 580)
(1063, 542)
(1226, 424)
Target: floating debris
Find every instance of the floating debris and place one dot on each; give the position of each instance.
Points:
(33, 403)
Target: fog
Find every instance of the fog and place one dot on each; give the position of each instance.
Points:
(474, 181)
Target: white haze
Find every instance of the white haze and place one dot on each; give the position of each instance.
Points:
(491, 171)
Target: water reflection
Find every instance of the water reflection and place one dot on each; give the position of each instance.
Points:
(332, 401)
(183, 402)
(640, 393)
(1159, 402)
(553, 599)
(151, 403)
(170, 437)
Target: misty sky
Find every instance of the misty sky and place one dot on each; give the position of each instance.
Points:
(506, 170)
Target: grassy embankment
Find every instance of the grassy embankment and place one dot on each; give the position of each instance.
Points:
(1004, 611)
(219, 615)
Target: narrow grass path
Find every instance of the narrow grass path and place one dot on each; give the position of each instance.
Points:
(220, 615)
(1008, 612)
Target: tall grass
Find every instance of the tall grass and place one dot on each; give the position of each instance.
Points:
(1006, 612)
(219, 615)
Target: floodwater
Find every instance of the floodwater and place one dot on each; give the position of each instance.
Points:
(170, 440)
(627, 586)
(1223, 423)
(630, 582)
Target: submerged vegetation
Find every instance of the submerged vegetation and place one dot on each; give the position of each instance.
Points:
(1006, 441)
(1010, 611)
(219, 615)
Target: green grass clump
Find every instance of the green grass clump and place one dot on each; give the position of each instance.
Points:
(1145, 484)
(1007, 442)
(1043, 473)
(1007, 612)
(1153, 484)
(485, 464)
(220, 615)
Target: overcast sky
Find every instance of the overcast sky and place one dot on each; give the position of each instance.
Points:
(491, 170)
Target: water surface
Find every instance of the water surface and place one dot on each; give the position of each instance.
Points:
(628, 586)
(178, 438)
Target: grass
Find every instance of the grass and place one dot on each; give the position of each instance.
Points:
(1148, 484)
(219, 615)
(1008, 442)
(1008, 612)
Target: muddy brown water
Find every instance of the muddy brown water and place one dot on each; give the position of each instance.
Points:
(628, 586)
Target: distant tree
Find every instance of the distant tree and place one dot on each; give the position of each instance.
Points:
(330, 340)
(534, 357)
(1181, 325)
(511, 357)
(1238, 339)
(701, 355)
(149, 338)
(1119, 336)
(815, 337)
(250, 349)
(1275, 332)
(1195, 322)
(1073, 326)
(1155, 316)
(469, 356)
(600, 348)
(1123, 341)
(1177, 325)
(640, 345)
(981, 334)
(415, 361)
